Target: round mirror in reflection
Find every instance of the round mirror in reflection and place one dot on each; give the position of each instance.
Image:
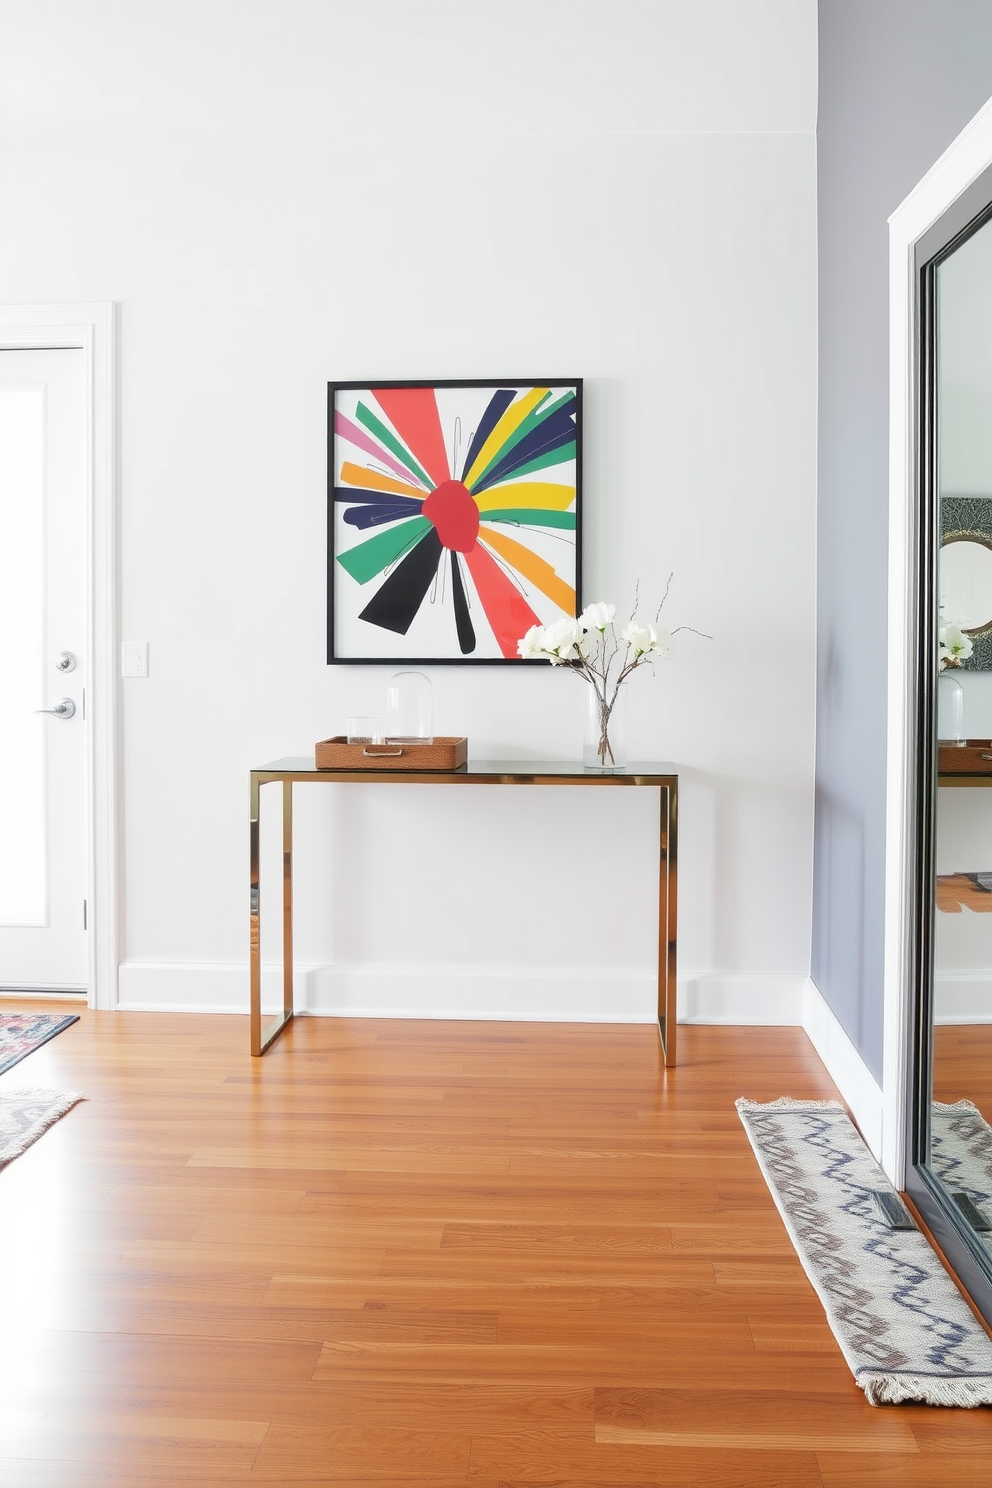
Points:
(966, 583)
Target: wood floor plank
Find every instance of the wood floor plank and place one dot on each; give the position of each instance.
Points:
(953, 1431)
(966, 1469)
(371, 1451)
(753, 1420)
(526, 1458)
(792, 1335)
(623, 1362)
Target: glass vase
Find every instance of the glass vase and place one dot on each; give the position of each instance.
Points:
(950, 708)
(409, 709)
(604, 741)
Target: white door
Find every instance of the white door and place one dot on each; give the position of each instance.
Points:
(43, 813)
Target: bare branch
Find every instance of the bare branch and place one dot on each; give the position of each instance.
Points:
(657, 613)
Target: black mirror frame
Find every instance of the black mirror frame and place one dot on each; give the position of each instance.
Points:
(965, 1252)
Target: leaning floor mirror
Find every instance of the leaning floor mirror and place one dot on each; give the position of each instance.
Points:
(949, 1173)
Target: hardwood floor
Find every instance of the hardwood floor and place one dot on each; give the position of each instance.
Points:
(956, 892)
(424, 1254)
(962, 1064)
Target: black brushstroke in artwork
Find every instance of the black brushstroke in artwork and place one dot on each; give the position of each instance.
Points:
(383, 511)
(396, 602)
(498, 404)
(463, 620)
(357, 493)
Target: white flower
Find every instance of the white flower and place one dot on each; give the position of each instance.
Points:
(597, 616)
(532, 644)
(955, 646)
(590, 641)
(561, 641)
(640, 637)
(664, 646)
(645, 641)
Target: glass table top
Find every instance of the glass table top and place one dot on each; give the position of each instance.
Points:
(481, 770)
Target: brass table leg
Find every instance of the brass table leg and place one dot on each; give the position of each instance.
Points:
(287, 900)
(260, 1041)
(254, 947)
(668, 921)
(667, 912)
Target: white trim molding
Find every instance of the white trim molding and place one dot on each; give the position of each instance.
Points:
(858, 1087)
(93, 328)
(738, 999)
(962, 997)
(960, 165)
(553, 994)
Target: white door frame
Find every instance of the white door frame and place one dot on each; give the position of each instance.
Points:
(959, 166)
(93, 328)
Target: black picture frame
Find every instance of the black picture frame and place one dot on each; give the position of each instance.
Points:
(460, 576)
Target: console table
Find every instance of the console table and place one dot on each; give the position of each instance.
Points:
(967, 764)
(290, 772)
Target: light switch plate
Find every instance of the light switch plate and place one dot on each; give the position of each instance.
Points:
(134, 659)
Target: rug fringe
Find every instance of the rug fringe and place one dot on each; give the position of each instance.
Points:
(961, 1105)
(786, 1103)
(894, 1389)
(61, 1100)
(39, 1109)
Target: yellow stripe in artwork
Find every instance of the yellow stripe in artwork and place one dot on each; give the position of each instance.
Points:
(514, 416)
(371, 480)
(532, 567)
(528, 494)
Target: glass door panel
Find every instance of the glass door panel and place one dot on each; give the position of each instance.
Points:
(23, 845)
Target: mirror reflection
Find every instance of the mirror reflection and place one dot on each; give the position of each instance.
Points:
(961, 1111)
(966, 582)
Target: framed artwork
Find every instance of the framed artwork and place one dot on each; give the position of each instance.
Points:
(454, 517)
(965, 540)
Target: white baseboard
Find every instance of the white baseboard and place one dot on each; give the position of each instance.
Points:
(963, 997)
(857, 1085)
(774, 1001)
(57, 994)
(527, 993)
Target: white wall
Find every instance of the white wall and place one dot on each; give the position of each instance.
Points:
(278, 194)
(963, 941)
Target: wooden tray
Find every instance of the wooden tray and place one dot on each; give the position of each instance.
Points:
(973, 757)
(443, 754)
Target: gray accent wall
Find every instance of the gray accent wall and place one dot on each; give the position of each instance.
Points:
(899, 79)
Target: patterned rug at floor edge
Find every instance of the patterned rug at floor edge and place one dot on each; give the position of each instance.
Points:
(901, 1323)
(26, 1114)
(961, 1150)
(22, 1033)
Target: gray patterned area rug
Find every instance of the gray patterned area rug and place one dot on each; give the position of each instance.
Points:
(900, 1321)
(25, 1114)
(961, 1151)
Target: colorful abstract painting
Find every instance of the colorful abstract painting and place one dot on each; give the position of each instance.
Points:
(453, 517)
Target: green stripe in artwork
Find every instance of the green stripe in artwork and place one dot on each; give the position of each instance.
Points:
(366, 559)
(536, 416)
(367, 417)
(553, 457)
(530, 516)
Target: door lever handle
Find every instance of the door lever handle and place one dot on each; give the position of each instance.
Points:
(64, 708)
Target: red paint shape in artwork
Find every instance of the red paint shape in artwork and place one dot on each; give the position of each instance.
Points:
(509, 614)
(414, 415)
(454, 514)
